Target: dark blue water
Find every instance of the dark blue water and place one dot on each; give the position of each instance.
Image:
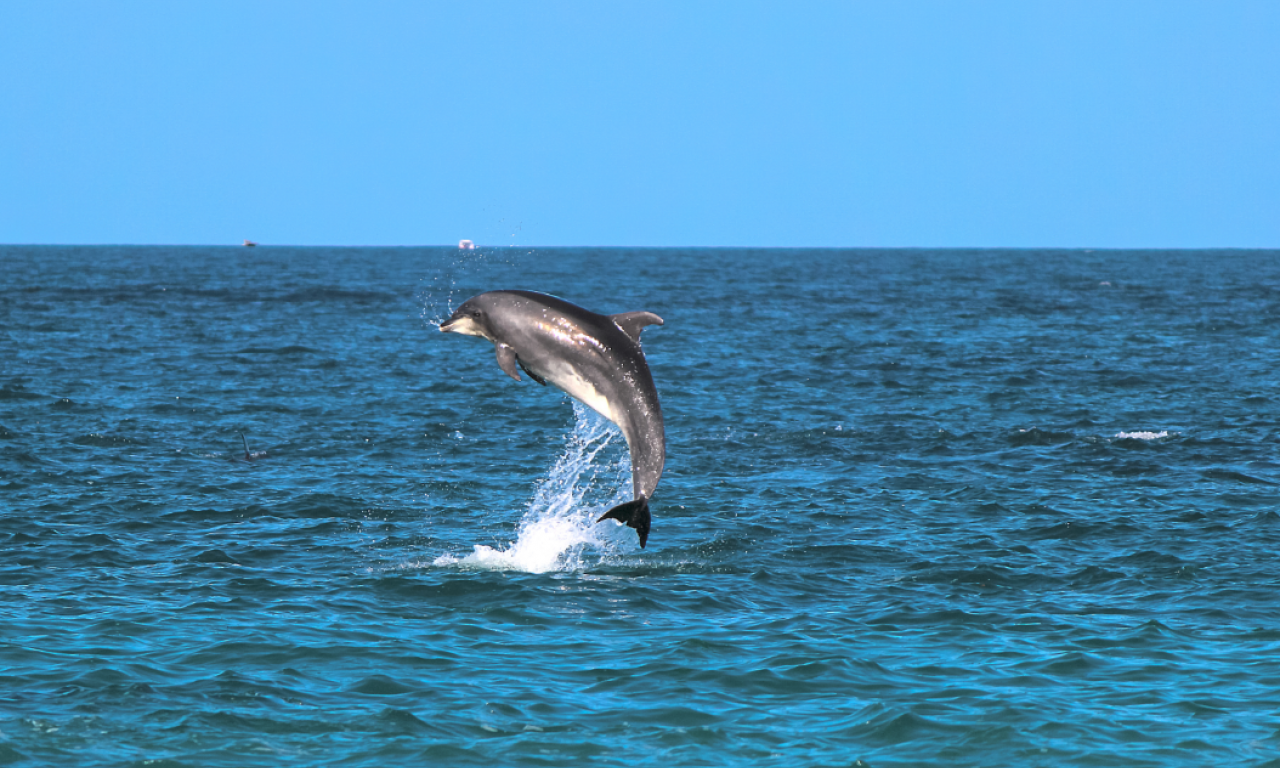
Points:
(921, 508)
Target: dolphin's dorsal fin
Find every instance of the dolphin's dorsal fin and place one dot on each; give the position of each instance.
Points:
(507, 360)
(632, 323)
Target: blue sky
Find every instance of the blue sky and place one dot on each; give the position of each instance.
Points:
(896, 123)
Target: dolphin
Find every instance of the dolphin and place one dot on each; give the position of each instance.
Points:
(593, 358)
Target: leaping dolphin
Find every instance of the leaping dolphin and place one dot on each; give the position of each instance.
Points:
(594, 358)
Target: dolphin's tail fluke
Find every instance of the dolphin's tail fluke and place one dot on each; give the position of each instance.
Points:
(634, 513)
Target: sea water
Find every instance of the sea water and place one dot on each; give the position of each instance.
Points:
(920, 508)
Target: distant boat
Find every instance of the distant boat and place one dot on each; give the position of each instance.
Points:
(466, 245)
(249, 243)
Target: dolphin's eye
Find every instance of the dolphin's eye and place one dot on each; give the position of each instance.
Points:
(476, 314)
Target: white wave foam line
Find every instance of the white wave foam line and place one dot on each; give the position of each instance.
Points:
(1142, 435)
(560, 523)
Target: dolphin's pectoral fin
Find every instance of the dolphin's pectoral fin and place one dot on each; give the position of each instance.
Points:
(532, 375)
(507, 360)
(635, 514)
(632, 323)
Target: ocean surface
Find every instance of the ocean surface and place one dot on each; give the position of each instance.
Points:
(921, 508)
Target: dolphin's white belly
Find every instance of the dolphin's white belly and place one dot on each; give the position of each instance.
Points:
(568, 379)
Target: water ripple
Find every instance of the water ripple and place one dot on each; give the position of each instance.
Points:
(920, 508)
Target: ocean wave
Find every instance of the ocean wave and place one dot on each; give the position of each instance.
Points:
(1020, 555)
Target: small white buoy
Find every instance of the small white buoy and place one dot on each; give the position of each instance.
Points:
(466, 245)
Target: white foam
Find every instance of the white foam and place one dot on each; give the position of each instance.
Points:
(559, 526)
(1142, 435)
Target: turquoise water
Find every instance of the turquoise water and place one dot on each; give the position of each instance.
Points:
(920, 508)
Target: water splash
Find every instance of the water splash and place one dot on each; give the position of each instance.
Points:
(466, 272)
(1143, 435)
(440, 295)
(559, 527)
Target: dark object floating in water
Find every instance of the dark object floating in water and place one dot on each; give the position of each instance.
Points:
(249, 243)
(248, 454)
(215, 556)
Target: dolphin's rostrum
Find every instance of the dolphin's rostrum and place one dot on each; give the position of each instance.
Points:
(594, 358)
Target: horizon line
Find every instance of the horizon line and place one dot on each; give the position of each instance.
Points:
(478, 247)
